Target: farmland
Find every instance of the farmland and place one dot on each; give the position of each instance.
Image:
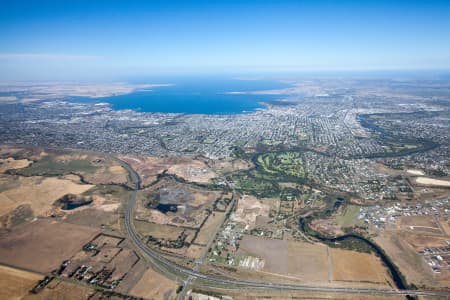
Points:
(15, 284)
(153, 285)
(51, 242)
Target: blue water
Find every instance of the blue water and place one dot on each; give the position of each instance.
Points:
(196, 96)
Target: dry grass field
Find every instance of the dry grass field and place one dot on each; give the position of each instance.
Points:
(153, 285)
(210, 226)
(248, 208)
(39, 192)
(316, 263)
(159, 231)
(308, 262)
(189, 169)
(12, 164)
(42, 245)
(425, 224)
(194, 251)
(194, 171)
(406, 257)
(356, 266)
(57, 290)
(15, 284)
(227, 165)
(243, 294)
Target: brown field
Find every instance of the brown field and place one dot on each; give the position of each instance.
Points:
(315, 263)
(426, 221)
(195, 251)
(159, 231)
(420, 241)
(194, 171)
(209, 228)
(230, 165)
(356, 266)
(11, 163)
(108, 173)
(15, 284)
(308, 262)
(39, 192)
(57, 290)
(43, 244)
(405, 256)
(327, 227)
(289, 295)
(249, 208)
(189, 169)
(153, 285)
(247, 294)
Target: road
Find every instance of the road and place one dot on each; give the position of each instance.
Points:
(186, 275)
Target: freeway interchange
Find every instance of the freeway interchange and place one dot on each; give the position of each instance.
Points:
(185, 275)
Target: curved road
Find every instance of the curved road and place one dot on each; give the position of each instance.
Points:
(173, 269)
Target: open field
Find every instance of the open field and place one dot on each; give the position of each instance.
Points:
(166, 232)
(426, 224)
(327, 227)
(315, 263)
(356, 266)
(432, 182)
(12, 164)
(228, 165)
(153, 285)
(349, 216)
(249, 208)
(307, 262)
(43, 244)
(38, 192)
(94, 168)
(52, 167)
(244, 294)
(210, 226)
(189, 169)
(194, 171)
(194, 251)
(57, 290)
(15, 284)
(406, 257)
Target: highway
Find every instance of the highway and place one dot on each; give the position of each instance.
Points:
(174, 270)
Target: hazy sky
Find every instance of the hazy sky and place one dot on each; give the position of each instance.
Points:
(114, 39)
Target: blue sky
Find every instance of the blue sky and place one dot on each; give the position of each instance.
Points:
(73, 40)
